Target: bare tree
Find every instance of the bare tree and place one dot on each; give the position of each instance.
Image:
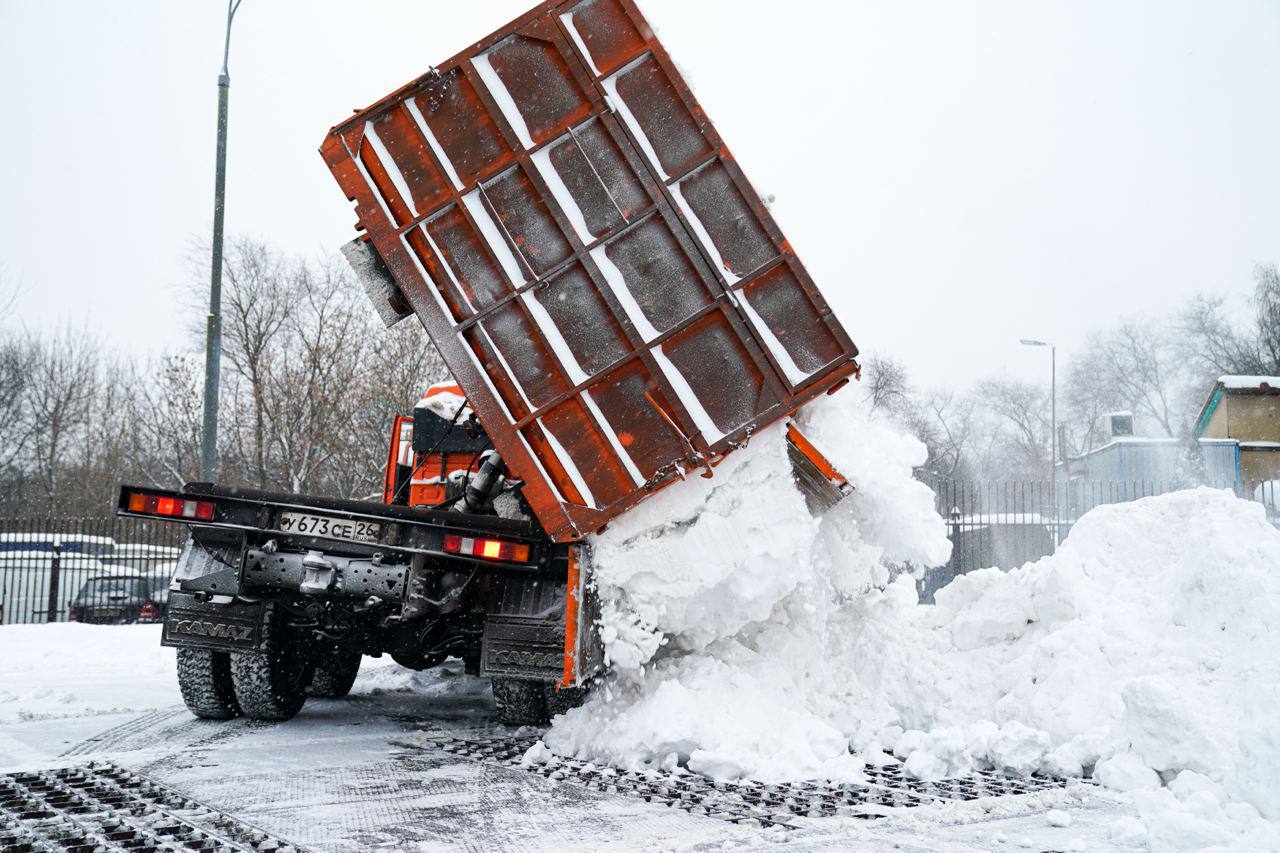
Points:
(886, 383)
(1136, 366)
(315, 379)
(16, 352)
(943, 420)
(954, 427)
(310, 394)
(165, 418)
(1019, 430)
(400, 365)
(1266, 316)
(101, 460)
(258, 299)
(1220, 343)
(62, 383)
(16, 355)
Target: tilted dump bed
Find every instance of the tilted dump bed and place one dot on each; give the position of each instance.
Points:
(596, 271)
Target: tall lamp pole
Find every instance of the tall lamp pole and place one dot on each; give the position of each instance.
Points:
(213, 330)
(1053, 460)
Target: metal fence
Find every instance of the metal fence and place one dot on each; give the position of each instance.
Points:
(107, 569)
(1007, 524)
(88, 569)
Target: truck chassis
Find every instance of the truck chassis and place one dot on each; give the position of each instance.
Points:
(278, 596)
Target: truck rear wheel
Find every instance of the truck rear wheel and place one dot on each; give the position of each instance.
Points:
(520, 702)
(272, 684)
(562, 699)
(335, 674)
(204, 677)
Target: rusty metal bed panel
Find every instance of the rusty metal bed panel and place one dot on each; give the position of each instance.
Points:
(595, 269)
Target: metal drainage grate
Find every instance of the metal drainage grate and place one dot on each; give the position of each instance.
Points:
(102, 807)
(746, 802)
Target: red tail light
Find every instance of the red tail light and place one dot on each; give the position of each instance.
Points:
(148, 613)
(170, 506)
(489, 549)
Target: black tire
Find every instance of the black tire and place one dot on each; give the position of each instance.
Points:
(204, 677)
(272, 684)
(334, 675)
(561, 699)
(520, 702)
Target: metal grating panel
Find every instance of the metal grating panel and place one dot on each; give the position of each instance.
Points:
(885, 790)
(595, 269)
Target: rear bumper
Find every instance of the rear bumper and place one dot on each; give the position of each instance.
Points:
(254, 518)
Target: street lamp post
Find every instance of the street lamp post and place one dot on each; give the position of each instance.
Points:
(1053, 459)
(213, 329)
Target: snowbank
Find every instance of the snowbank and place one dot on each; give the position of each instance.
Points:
(73, 670)
(753, 640)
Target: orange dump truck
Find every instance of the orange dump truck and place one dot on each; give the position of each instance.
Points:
(618, 311)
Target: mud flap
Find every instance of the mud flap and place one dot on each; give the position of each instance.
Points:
(231, 627)
(524, 629)
(541, 629)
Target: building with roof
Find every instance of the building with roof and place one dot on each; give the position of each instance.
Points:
(1246, 410)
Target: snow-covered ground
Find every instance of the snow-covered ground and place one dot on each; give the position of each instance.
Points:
(73, 670)
(338, 777)
(749, 639)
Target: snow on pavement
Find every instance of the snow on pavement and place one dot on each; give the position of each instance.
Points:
(50, 672)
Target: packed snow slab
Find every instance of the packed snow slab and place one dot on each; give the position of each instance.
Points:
(753, 640)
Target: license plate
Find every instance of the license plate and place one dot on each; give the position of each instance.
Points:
(304, 524)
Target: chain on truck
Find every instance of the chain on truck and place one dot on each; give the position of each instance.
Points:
(618, 311)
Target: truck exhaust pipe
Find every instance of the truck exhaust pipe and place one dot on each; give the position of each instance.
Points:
(485, 485)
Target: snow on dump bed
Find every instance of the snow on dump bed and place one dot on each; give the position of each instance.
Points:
(750, 639)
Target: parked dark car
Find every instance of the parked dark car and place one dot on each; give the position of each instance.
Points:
(121, 600)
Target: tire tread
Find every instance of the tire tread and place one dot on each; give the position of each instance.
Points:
(271, 684)
(520, 702)
(334, 676)
(204, 679)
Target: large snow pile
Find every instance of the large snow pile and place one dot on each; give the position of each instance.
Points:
(750, 639)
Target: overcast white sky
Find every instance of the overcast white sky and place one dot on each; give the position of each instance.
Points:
(956, 175)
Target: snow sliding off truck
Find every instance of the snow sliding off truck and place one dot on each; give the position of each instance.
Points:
(618, 310)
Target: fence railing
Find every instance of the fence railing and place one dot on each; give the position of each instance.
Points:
(107, 569)
(1007, 524)
(91, 569)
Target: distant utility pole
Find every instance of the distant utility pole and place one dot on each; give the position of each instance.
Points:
(1053, 459)
(213, 331)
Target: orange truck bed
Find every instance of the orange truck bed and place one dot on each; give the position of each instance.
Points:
(600, 277)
